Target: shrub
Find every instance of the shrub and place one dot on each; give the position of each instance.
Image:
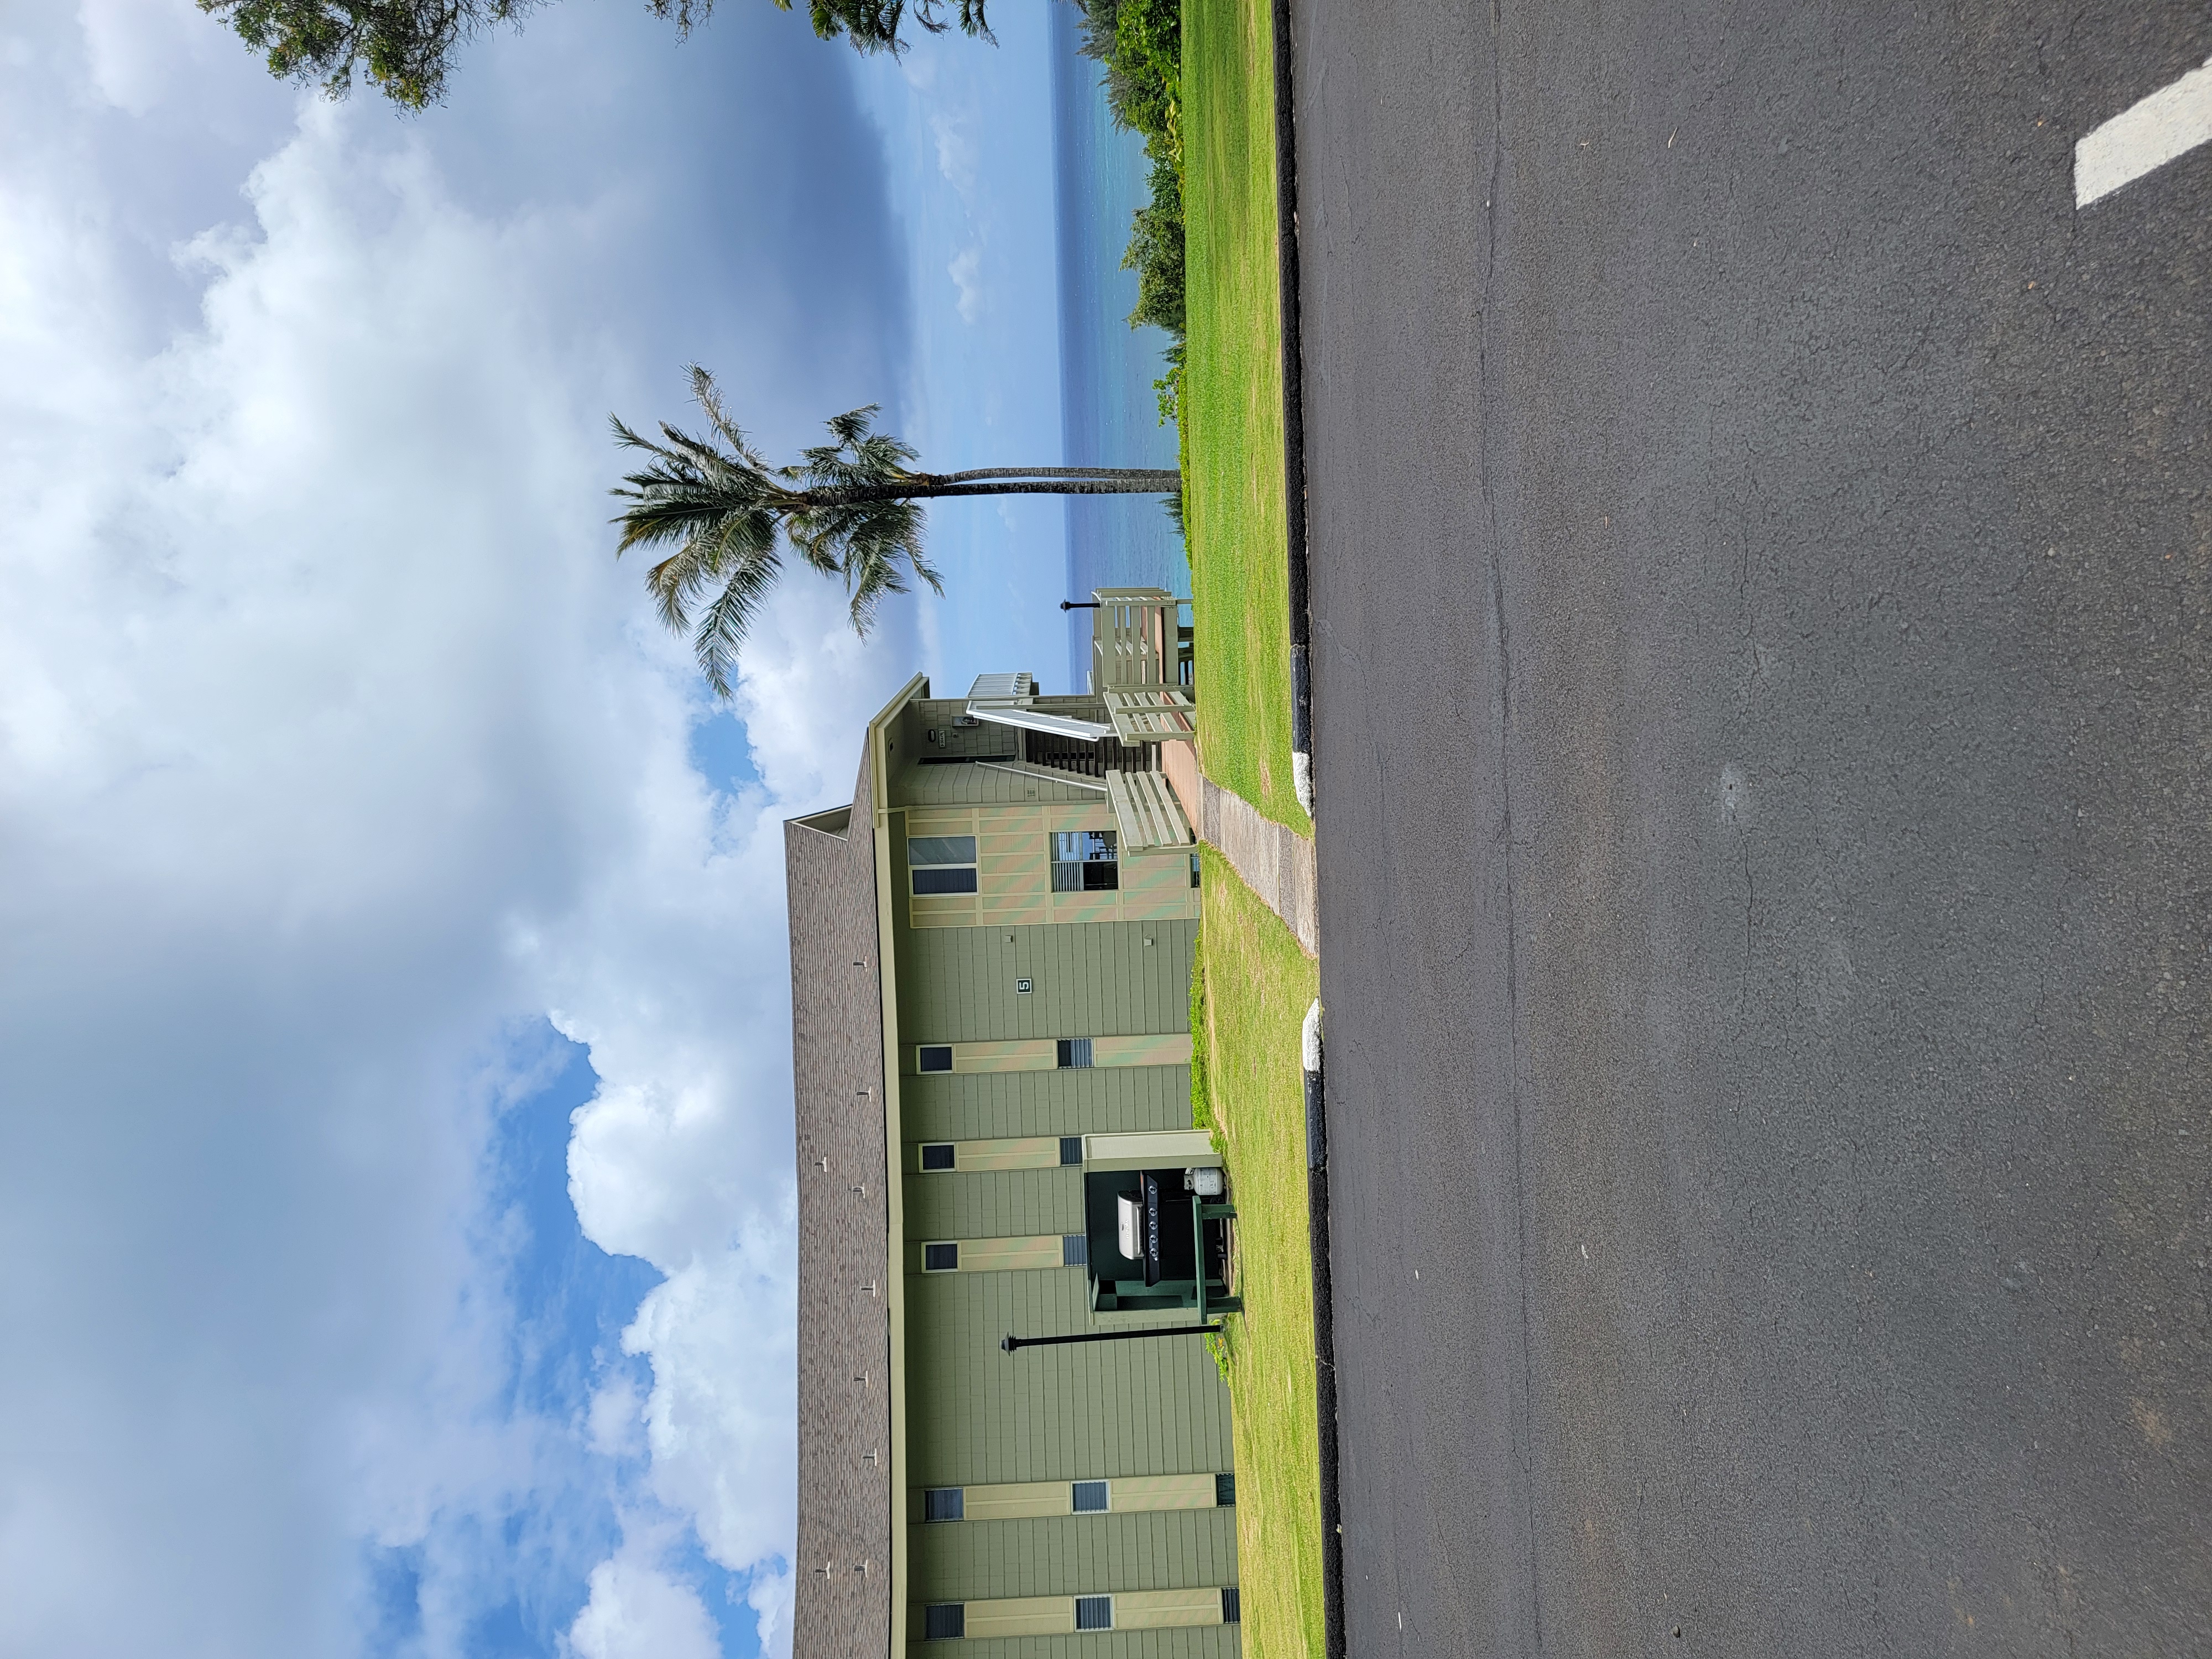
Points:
(1201, 1105)
(1156, 251)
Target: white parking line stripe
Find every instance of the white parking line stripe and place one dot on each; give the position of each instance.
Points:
(2171, 122)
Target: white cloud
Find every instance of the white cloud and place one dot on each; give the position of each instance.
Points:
(967, 273)
(332, 744)
(638, 1611)
(135, 49)
(770, 1597)
(958, 153)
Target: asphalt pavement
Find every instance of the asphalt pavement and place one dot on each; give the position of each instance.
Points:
(1761, 548)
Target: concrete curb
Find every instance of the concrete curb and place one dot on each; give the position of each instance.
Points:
(1332, 1509)
(1294, 505)
(1294, 422)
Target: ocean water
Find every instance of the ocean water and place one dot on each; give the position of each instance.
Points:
(1109, 414)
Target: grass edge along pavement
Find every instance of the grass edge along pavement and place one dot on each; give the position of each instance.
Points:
(1252, 983)
(1232, 406)
(1249, 1087)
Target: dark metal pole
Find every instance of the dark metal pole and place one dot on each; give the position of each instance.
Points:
(1013, 1342)
(1079, 605)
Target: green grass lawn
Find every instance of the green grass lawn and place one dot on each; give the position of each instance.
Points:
(1256, 983)
(1257, 987)
(1232, 406)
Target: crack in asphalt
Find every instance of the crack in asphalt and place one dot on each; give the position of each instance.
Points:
(1505, 806)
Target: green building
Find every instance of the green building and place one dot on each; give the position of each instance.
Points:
(991, 953)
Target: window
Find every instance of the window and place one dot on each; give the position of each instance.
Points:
(944, 1504)
(1225, 1491)
(1074, 1250)
(945, 1623)
(1090, 1497)
(937, 1157)
(1083, 861)
(1232, 1611)
(1094, 1612)
(1194, 869)
(933, 1057)
(940, 1258)
(941, 864)
(1074, 1054)
(1070, 1150)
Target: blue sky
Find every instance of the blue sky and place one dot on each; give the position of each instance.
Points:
(396, 1166)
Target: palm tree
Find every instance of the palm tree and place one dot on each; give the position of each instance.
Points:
(848, 509)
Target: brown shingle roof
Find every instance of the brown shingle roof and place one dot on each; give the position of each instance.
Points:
(844, 1332)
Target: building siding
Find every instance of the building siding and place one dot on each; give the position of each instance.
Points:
(1112, 969)
(1075, 1554)
(1193, 1642)
(959, 984)
(994, 1203)
(1104, 1100)
(976, 1415)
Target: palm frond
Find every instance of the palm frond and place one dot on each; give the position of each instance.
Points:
(722, 626)
(851, 427)
(873, 542)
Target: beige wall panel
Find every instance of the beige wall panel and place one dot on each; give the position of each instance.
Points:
(1028, 1615)
(1187, 1641)
(1164, 1049)
(1157, 889)
(944, 910)
(1022, 910)
(1022, 1153)
(1092, 814)
(1070, 907)
(1014, 853)
(1144, 1149)
(1161, 1492)
(1064, 1554)
(1022, 1055)
(989, 1255)
(1132, 1494)
(1163, 1609)
(1165, 905)
(1021, 1501)
(992, 1255)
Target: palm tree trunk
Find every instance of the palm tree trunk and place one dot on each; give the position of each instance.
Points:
(1127, 483)
(1042, 472)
